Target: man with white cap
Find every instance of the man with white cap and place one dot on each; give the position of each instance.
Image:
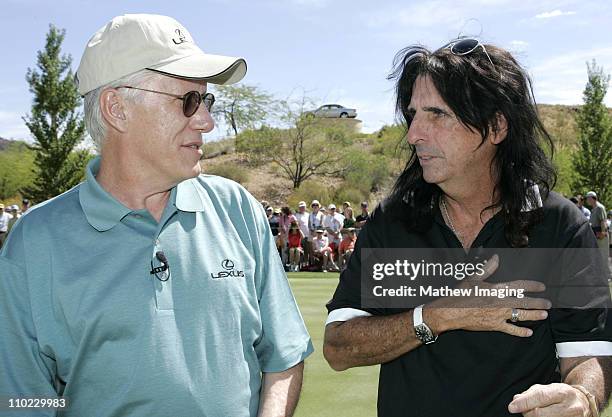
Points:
(14, 209)
(333, 224)
(149, 289)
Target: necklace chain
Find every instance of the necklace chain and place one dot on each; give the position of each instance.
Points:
(450, 221)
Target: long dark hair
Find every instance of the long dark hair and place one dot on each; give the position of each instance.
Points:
(478, 91)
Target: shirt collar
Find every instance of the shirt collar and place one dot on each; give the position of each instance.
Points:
(103, 211)
(189, 196)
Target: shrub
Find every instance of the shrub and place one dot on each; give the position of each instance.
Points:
(308, 191)
(218, 147)
(367, 172)
(257, 144)
(346, 193)
(234, 172)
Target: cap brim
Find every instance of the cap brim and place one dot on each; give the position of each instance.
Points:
(215, 69)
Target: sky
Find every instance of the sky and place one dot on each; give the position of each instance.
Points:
(334, 51)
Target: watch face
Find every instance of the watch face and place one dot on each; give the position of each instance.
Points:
(423, 333)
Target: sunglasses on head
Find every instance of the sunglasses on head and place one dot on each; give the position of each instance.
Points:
(465, 46)
(191, 100)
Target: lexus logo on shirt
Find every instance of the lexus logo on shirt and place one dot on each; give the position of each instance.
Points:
(228, 266)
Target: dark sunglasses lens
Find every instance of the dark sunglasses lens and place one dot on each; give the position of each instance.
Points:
(464, 46)
(191, 102)
(209, 100)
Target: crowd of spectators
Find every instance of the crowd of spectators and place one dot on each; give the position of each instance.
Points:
(321, 239)
(9, 216)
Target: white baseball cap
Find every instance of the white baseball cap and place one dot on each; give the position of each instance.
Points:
(315, 202)
(133, 42)
(302, 204)
(591, 194)
(331, 206)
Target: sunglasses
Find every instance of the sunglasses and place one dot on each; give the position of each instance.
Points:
(465, 46)
(191, 100)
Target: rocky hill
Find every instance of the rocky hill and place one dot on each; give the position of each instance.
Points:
(4, 143)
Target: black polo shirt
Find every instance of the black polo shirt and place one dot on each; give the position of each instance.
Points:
(468, 373)
(361, 217)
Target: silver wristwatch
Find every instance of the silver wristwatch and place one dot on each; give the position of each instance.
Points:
(422, 331)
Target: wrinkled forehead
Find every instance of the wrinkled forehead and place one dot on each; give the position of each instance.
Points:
(425, 93)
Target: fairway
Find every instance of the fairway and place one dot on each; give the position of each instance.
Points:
(327, 393)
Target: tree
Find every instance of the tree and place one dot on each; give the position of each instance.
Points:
(593, 160)
(55, 123)
(242, 106)
(308, 146)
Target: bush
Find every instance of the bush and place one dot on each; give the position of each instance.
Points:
(353, 195)
(367, 172)
(390, 141)
(308, 191)
(218, 147)
(258, 144)
(234, 172)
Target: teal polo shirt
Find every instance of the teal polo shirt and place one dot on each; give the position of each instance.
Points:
(81, 315)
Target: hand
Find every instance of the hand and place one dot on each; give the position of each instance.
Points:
(600, 235)
(452, 313)
(554, 400)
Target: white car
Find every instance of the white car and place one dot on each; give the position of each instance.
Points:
(332, 110)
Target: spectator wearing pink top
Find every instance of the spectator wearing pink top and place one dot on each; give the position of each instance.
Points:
(284, 222)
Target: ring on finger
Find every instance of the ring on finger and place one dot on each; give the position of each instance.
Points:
(515, 315)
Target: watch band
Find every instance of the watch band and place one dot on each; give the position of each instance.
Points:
(422, 330)
(418, 315)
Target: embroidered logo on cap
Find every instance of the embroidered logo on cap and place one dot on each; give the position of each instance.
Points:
(181, 37)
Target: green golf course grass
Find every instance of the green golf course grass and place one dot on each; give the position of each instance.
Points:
(327, 393)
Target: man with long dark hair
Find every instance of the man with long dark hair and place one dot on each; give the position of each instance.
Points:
(478, 177)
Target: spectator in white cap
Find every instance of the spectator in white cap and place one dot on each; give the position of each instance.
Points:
(598, 222)
(322, 251)
(333, 223)
(149, 290)
(315, 219)
(14, 209)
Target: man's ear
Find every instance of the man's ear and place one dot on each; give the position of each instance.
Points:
(499, 133)
(113, 108)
